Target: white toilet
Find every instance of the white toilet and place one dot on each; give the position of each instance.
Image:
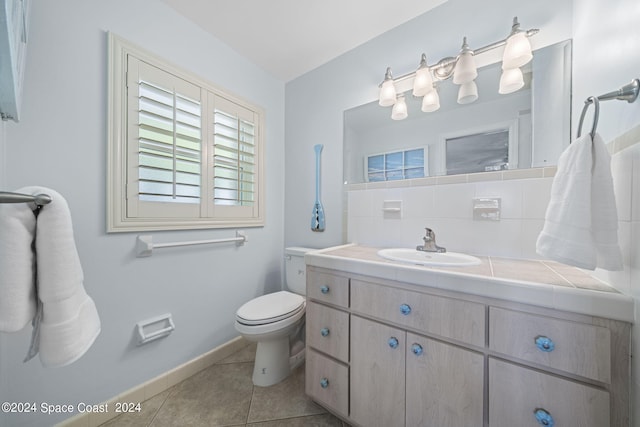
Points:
(276, 322)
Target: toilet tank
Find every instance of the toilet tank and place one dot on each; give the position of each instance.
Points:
(295, 269)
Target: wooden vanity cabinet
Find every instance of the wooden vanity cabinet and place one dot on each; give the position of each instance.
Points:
(377, 375)
(404, 355)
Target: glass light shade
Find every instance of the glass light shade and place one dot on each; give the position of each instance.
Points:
(467, 93)
(387, 94)
(511, 80)
(431, 101)
(423, 82)
(399, 111)
(517, 52)
(465, 70)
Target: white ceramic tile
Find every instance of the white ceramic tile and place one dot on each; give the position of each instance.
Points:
(535, 197)
(418, 202)
(531, 228)
(635, 196)
(622, 172)
(496, 238)
(454, 201)
(634, 264)
(360, 230)
(359, 203)
(510, 193)
(387, 233)
(378, 197)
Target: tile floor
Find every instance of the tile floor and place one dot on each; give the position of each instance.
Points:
(224, 395)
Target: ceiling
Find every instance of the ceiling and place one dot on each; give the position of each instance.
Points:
(288, 38)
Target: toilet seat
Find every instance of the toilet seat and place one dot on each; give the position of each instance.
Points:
(270, 308)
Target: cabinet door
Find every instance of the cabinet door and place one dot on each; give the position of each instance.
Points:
(445, 384)
(520, 396)
(377, 374)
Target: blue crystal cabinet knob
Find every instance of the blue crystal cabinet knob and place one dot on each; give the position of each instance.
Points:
(545, 344)
(324, 383)
(405, 309)
(417, 349)
(324, 332)
(393, 342)
(544, 418)
(324, 289)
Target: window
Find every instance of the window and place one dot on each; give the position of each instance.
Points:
(396, 165)
(182, 154)
(489, 148)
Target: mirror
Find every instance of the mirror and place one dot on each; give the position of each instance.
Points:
(524, 129)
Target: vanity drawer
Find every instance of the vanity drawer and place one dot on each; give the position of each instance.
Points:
(328, 330)
(573, 347)
(517, 394)
(327, 382)
(446, 317)
(328, 288)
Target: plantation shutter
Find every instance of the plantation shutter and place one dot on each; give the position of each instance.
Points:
(235, 159)
(165, 144)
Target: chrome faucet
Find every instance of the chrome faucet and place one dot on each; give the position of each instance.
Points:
(430, 243)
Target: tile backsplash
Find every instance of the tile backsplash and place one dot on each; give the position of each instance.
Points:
(445, 204)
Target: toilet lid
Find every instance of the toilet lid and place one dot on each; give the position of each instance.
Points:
(270, 308)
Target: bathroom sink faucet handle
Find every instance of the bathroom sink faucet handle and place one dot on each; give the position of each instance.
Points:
(430, 242)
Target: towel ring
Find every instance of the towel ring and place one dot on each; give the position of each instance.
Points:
(590, 100)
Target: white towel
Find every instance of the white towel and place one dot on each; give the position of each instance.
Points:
(17, 290)
(69, 322)
(581, 222)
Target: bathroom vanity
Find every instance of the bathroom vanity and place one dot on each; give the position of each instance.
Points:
(504, 343)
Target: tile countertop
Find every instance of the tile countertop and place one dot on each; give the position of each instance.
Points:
(538, 282)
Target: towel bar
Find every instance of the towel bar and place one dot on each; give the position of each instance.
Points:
(145, 245)
(38, 199)
(628, 92)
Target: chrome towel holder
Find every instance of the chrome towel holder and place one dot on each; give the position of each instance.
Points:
(39, 199)
(628, 92)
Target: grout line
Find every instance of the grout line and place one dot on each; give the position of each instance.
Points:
(160, 407)
(558, 274)
(491, 266)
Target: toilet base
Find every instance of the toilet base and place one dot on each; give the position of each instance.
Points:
(272, 362)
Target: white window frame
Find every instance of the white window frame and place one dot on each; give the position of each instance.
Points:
(122, 219)
(511, 126)
(425, 165)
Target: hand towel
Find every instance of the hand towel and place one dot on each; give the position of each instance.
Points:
(17, 263)
(68, 323)
(581, 221)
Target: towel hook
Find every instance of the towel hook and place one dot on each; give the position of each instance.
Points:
(590, 100)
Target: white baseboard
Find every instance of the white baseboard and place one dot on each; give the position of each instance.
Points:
(157, 385)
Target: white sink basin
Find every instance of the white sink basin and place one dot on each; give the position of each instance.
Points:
(444, 259)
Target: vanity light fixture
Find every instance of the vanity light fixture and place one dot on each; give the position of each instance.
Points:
(431, 101)
(387, 90)
(399, 110)
(423, 83)
(517, 53)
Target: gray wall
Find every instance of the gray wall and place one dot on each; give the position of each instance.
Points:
(61, 142)
(315, 101)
